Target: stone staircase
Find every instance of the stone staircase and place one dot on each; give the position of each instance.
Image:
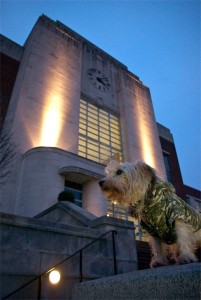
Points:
(165, 283)
(32, 246)
(171, 283)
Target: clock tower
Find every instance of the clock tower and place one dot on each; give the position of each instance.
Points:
(73, 108)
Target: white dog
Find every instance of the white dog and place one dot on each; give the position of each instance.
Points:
(173, 227)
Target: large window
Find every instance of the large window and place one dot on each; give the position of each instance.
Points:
(99, 134)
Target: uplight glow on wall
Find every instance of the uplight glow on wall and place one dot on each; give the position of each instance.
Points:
(51, 124)
(144, 128)
(146, 144)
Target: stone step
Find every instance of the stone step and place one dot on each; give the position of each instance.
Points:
(181, 282)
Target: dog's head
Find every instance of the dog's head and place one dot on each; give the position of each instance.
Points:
(127, 183)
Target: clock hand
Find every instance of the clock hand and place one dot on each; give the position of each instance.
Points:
(100, 80)
(103, 78)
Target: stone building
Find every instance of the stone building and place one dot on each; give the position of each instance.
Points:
(67, 108)
(71, 107)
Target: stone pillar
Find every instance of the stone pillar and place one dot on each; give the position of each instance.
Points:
(126, 254)
(93, 199)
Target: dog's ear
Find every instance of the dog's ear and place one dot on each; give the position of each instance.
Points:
(113, 164)
(147, 169)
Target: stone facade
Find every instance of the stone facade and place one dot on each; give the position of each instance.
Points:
(48, 77)
(51, 166)
(44, 113)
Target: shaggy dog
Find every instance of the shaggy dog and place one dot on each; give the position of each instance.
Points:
(173, 227)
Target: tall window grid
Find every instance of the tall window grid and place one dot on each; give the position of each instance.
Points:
(99, 134)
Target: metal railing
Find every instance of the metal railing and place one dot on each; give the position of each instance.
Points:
(39, 277)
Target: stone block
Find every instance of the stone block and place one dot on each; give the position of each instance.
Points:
(165, 283)
(31, 246)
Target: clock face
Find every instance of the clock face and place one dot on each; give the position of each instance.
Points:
(98, 80)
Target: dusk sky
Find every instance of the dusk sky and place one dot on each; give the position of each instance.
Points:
(159, 41)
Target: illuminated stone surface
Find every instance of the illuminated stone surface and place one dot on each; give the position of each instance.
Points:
(44, 112)
(164, 283)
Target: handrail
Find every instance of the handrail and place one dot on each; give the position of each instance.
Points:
(67, 258)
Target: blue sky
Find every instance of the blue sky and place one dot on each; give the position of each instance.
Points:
(159, 41)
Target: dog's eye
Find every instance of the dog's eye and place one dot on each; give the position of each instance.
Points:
(119, 172)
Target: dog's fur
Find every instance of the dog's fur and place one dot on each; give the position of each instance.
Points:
(137, 186)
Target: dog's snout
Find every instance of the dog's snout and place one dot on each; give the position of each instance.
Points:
(101, 182)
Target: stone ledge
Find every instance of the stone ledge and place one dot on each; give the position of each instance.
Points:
(10, 48)
(109, 221)
(26, 222)
(68, 208)
(165, 283)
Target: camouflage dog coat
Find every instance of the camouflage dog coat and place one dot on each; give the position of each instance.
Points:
(162, 208)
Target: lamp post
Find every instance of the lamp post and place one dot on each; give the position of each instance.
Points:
(54, 278)
(39, 287)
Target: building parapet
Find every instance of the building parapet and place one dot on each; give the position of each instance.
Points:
(98, 53)
(165, 133)
(10, 48)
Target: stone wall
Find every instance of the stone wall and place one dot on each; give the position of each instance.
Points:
(31, 246)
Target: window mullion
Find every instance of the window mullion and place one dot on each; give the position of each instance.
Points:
(102, 133)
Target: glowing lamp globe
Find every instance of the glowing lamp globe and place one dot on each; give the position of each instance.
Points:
(54, 277)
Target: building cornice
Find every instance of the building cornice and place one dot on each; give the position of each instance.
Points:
(69, 34)
(10, 48)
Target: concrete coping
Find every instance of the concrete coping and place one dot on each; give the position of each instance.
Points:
(95, 226)
(65, 153)
(87, 218)
(75, 211)
(77, 170)
(104, 220)
(84, 172)
(34, 223)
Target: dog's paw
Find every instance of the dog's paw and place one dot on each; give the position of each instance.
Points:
(158, 263)
(186, 258)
